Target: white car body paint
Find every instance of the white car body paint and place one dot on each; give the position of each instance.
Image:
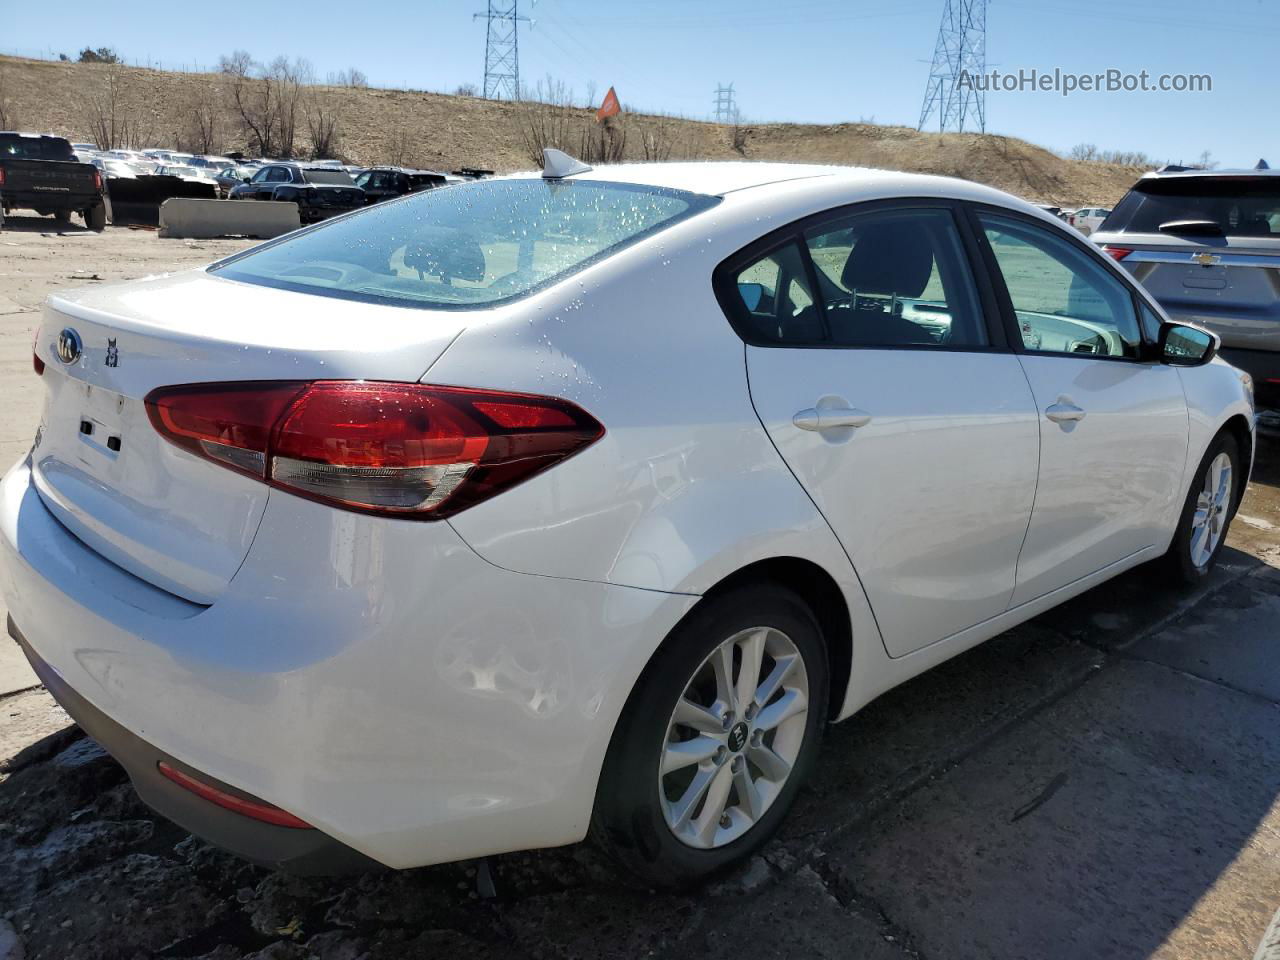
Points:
(425, 692)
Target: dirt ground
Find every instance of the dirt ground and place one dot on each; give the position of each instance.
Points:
(438, 131)
(1100, 782)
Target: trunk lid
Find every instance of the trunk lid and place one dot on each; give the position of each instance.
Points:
(54, 178)
(174, 520)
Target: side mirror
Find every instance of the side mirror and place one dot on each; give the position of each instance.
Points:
(1182, 345)
(752, 294)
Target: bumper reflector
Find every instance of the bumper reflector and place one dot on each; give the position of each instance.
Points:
(254, 809)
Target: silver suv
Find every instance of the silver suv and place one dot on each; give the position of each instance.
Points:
(1206, 244)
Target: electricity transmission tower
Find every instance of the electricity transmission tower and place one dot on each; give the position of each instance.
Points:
(502, 49)
(726, 107)
(961, 50)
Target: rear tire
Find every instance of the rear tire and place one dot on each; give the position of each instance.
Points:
(753, 749)
(1207, 512)
(95, 218)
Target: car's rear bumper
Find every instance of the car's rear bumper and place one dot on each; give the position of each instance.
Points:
(374, 678)
(284, 848)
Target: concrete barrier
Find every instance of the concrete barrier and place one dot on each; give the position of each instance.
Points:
(203, 219)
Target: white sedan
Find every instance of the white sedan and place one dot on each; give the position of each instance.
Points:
(543, 507)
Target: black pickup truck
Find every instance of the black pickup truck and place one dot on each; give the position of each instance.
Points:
(40, 173)
(319, 192)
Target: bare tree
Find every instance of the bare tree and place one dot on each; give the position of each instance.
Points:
(351, 77)
(738, 133)
(288, 79)
(203, 132)
(657, 138)
(322, 127)
(547, 119)
(8, 116)
(254, 99)
(399, 147)
(1084, 153)
(110, 121)
(607, 143)
(466, 90)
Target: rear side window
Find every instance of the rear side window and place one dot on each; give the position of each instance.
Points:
(882, 279)
(475, 245)
(1239, 206)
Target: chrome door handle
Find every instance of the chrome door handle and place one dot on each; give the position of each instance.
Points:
(830, 418)
(1064, 411)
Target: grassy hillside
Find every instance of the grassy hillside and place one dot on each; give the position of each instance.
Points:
(155, 108)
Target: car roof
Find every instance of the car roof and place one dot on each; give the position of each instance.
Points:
(718, 178)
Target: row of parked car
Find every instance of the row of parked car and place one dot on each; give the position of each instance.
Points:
(56, 177)
(1086, 219)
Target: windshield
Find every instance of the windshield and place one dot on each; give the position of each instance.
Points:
(182, 171)
(474, 245)
(1240, 206)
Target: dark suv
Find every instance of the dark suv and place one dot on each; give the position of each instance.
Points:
(319, 192)
(384, 183)
(1206, 244)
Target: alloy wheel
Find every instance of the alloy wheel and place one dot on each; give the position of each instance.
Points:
(1212, 507)
(734, 737)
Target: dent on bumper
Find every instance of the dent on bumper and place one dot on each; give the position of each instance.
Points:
(375, 678)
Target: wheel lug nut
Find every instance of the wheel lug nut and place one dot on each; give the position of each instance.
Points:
(751, 711)
(721, 753)
(725, 822)
(757, 738)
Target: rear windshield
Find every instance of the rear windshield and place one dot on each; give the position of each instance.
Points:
(1240, 206)
(35, 148)
(337, 177)
(470, 245)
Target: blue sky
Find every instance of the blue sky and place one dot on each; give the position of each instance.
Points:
(822, 61)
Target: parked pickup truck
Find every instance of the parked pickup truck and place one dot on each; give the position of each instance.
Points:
(41, 173)
(319, 192)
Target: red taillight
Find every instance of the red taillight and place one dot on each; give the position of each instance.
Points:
(97, 179)
(1, 177)
(255, 809)
(1116, 253)
(37, 363)
(397, 449)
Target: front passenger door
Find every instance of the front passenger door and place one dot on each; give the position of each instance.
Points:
(1113, 423)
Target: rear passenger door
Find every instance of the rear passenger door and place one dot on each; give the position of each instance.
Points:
(1113, 420)
(878, 367)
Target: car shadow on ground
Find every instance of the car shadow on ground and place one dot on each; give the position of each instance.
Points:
(14, 223)
(1064, 790)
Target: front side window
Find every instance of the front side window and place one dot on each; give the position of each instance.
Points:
(1064, 300)
(479, 244)
(887, 278)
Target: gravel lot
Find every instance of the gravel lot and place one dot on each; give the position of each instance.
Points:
(1100, 782)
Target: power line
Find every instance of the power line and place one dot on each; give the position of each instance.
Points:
(961, 50)
(502, 49)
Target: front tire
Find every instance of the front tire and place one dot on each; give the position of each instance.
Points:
(1206, 513)
(716, 739)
